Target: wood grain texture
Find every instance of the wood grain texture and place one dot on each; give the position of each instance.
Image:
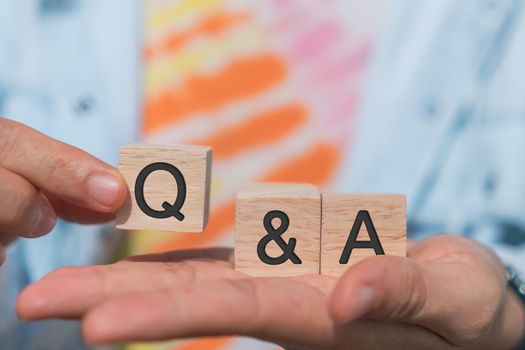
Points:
(194, 162)
(302, 205)
(339, 211)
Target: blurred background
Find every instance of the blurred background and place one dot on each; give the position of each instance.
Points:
(273, 86)
(277, 88)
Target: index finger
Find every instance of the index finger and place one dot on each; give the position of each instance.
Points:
(62, 170)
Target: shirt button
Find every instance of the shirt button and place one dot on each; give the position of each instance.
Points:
(490, 183)
(52, 6)
(83, 105)
(430, 109)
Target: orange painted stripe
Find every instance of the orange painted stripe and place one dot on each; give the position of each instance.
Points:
(316, 166)
(260, 130)
(205, 343)
(221, 220)
(215, 24)
(240, 79)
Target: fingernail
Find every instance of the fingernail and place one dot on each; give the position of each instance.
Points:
(44, 226)
(47, 219)
(104, 189)
(363, 303)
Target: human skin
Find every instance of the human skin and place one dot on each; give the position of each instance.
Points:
(450, 293)
(42, 179)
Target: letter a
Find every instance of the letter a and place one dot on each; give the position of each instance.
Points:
(352, 242)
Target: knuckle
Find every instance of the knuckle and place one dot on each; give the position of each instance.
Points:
(249, 290)
(486, 314)
(481, 327)
(483, 311)
(411, 292)
(450, 242)
(182, 272)
(465, 257)
(9, 136)
(20, 206)
(105, 274)
(417, 294)
(65, 170)
(457, 249)
(471, 334)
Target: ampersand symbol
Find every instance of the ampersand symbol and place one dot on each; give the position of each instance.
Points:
(274, 234)
(169, 209)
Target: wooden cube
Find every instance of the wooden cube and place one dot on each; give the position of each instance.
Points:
(169, 188)
(358, 226)
(273, 216)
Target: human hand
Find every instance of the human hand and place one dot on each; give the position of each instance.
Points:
(450, 293)
(41, 178)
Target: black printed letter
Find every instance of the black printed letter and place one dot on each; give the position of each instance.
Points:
(353, 243)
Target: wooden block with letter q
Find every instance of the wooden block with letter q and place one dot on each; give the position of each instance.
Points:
(358, 226)
(278, 228)
(169, 188)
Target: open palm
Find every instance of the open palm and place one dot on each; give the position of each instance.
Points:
(382, 302)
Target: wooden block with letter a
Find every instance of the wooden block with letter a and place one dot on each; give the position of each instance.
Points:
(278, 228)
(169, 188)
(358, 226)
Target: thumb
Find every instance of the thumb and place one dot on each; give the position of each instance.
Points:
(442, 297)
(382, 287)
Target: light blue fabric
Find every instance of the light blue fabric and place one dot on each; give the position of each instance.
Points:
(443, 121)
(70, 69)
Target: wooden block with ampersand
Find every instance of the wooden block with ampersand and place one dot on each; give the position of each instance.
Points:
(278, 229)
